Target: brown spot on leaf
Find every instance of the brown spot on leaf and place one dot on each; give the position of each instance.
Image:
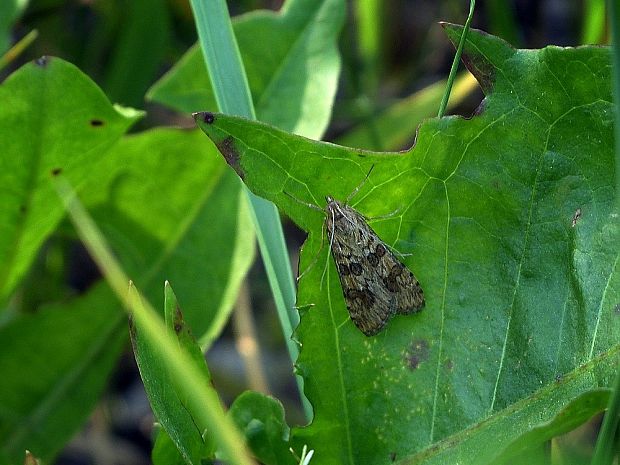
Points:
(416, 353)
(56, 171)
(208, 117)
(204, 116)
(178, 320)
(228, 150)
(448, 364)
(96, 122)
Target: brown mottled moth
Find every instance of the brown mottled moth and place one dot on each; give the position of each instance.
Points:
(375, 284)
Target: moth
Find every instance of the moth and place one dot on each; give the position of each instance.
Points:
(375, 284)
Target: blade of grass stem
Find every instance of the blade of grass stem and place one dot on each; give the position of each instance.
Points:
(233, 97)
(204, 404)
(605, 443)
(455, 62)
(17, 49)
(593, 26)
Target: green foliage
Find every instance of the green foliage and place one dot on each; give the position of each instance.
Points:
(292, 69)
(55, 365)
(520, 289)
(508, 218)
(54, 121)
(261, 419)
(168, 404)
(154, 194)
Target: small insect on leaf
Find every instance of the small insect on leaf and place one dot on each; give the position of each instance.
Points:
(375, 284)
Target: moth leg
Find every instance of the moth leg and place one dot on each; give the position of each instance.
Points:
(314, 260)
(386, 216)
(331, 242)
(396, 252)
(307, 204)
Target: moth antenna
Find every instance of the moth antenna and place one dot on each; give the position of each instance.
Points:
(360, 185)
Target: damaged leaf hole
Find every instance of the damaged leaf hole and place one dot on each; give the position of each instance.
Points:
(56, 171)
(96, 123)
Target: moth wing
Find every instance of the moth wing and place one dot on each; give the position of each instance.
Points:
(364, 296)
(369, 318)
(407, 292)
(411, 298)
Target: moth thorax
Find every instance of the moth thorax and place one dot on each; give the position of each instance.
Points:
(333, 209)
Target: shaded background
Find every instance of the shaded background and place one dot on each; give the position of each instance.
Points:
(127, 45)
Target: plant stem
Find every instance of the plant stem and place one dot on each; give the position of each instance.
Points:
(233, 97)
(455, 62)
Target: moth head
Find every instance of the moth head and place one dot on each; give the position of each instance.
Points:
(329, 199)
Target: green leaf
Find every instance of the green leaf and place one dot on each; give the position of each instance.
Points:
(55, 121)
(573, 415)
(170, 210)
(169, 406)
(545, 414)
(55, 364)
(261, 419)
(508, 218)
(167, 206)
(164, 451)
(292, 70)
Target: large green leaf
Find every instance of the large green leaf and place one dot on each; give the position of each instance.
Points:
(291, 61)
(170, 211)
(55, 120)
(508, 218)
